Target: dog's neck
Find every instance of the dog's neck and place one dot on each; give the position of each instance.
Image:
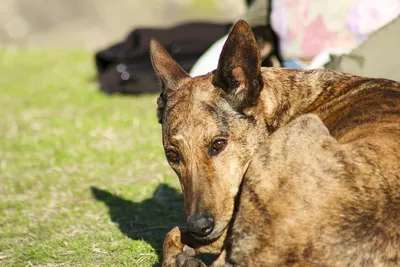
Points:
(287, 93)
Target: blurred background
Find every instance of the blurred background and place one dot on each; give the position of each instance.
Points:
(94, 24)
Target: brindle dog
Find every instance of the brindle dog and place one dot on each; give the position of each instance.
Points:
(212, 126)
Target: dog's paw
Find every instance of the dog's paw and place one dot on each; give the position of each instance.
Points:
(184, 260)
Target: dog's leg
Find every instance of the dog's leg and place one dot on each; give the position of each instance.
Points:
(221, 260)
(172, 247)
(180, 248)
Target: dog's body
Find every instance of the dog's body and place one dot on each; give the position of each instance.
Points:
(314, 202)
(212, 126)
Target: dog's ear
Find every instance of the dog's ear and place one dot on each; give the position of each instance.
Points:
(169, 73)
(239, 67)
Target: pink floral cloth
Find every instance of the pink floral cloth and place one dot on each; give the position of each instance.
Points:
(308, 27)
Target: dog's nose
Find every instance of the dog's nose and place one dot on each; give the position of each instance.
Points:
(200, 224)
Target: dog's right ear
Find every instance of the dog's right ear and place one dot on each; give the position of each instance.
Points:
(168, 72)
(239, 67)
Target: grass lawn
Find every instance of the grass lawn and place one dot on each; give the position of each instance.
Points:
(83, 178)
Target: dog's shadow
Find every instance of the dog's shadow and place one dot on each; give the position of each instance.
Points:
(149, 220)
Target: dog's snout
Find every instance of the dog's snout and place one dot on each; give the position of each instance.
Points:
(200, 224)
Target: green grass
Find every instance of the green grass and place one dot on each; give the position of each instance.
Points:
(83, 178)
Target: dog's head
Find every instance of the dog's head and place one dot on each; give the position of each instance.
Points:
(210, 129)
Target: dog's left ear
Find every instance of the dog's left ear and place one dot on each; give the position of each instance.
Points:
(239, 67)
(169, 73)
(166, 69)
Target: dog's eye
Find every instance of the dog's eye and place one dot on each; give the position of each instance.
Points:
(217, 146)
(172, 155)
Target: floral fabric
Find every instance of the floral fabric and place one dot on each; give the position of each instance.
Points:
(308, 27)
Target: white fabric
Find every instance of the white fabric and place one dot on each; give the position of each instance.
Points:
(209, 60)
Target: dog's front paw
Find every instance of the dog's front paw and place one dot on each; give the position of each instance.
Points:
(184, 260)
(176, 254)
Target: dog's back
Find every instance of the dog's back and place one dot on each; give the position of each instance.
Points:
(352, 107)
(307, 200)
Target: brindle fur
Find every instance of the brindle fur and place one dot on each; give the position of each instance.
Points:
(244, 104)
(316, 202)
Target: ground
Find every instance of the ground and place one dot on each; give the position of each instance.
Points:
(83, 177)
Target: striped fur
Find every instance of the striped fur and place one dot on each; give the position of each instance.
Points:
(301, 198)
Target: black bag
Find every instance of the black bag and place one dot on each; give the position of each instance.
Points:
(126, 67)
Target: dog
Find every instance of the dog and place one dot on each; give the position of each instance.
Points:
(213, 124)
